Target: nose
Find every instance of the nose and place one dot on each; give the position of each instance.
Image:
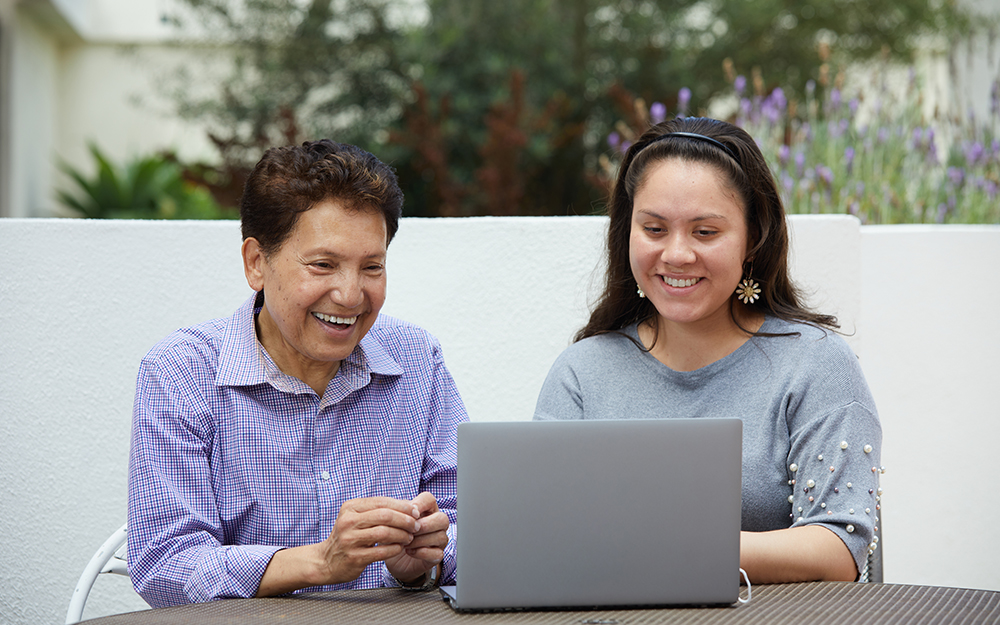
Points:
(677, 250)
(347, 289)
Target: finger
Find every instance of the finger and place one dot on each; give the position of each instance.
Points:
(367, 504)
(436, 540)
(365, 513)
(436, 522)
(429, 555)
(360, 539)
(425, 503)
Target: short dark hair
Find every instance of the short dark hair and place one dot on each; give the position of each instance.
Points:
(742, 165)
(287, 181)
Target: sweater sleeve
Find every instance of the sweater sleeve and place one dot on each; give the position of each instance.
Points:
(834, 458)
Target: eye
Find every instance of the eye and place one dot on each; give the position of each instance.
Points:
(653, 229)
(706, 232)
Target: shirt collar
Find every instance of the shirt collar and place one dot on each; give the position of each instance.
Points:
(240, 355)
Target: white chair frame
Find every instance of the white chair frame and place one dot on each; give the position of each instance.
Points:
(110, 558)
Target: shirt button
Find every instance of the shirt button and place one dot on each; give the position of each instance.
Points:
(325, 475)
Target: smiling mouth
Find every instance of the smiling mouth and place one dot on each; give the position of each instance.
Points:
(341, 321)
(681, 283)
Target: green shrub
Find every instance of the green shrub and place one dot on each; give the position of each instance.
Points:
(151, 187)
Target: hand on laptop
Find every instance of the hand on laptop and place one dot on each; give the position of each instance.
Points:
(426, 549)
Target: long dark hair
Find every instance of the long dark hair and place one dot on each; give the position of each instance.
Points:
(741, 162)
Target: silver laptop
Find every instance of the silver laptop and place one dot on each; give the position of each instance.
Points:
(561, 514)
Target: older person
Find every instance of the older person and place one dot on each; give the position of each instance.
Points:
(305, 442)
(699, 319)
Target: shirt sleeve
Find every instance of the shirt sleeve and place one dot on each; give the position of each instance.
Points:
(439, 476)
(175, 541)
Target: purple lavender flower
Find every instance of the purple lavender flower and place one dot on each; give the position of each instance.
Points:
(825, 174)
(849, 158)
(783, 153)
(788, 183)
(745, 107)
(835, 98)
(942, 211)
(991, 189)
(657, 112)
(740, 84)
(800, 163)
(853, 208)
(973, 152)
(770, 111)
(853, 105)
(956, 175)
(918, 138)
(932, 155)
(683, 98)
(882, 135)
(778, 97)
(614, 140)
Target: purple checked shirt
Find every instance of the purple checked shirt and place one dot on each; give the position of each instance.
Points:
(233, 460)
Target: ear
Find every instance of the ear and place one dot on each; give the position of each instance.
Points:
(253, 263)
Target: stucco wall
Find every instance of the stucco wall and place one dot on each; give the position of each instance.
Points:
(81, 302)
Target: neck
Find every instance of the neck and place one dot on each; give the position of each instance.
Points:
(691, 346)
(314, 374)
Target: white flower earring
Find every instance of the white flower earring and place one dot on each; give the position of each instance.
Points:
(748, 291)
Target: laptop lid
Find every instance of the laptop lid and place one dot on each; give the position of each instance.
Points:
(556, 514)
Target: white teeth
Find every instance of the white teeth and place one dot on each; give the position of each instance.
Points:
(330, 319)
(680, 283)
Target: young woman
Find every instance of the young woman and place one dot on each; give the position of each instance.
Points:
(699, 319)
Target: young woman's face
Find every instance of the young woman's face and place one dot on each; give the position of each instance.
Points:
(688, 241)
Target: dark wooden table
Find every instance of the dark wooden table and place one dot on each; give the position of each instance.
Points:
(817, 603)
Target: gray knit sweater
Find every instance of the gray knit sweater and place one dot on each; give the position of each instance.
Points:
(807, 415)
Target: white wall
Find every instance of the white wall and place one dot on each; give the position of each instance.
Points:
(932, 357)
(82, 301)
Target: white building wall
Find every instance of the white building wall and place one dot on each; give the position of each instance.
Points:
(81, 302)
(33, 98)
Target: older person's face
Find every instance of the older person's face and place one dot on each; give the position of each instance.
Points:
(323, 288)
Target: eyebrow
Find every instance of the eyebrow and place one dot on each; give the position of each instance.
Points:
(320, 251)
(698, 218)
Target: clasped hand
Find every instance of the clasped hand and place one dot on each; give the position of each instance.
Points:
(410, 536)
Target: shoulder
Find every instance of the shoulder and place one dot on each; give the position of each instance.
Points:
(603, 352)
(818, 359)
(200, 342)
(401, 339)
(806, 339)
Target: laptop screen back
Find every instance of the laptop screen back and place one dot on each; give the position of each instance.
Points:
(598, 513)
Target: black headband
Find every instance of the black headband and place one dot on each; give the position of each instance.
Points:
(691, 135)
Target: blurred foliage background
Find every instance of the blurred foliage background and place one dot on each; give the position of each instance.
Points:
(506, 108)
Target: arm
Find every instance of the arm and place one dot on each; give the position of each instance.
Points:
(176, 550)
(796, 554)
